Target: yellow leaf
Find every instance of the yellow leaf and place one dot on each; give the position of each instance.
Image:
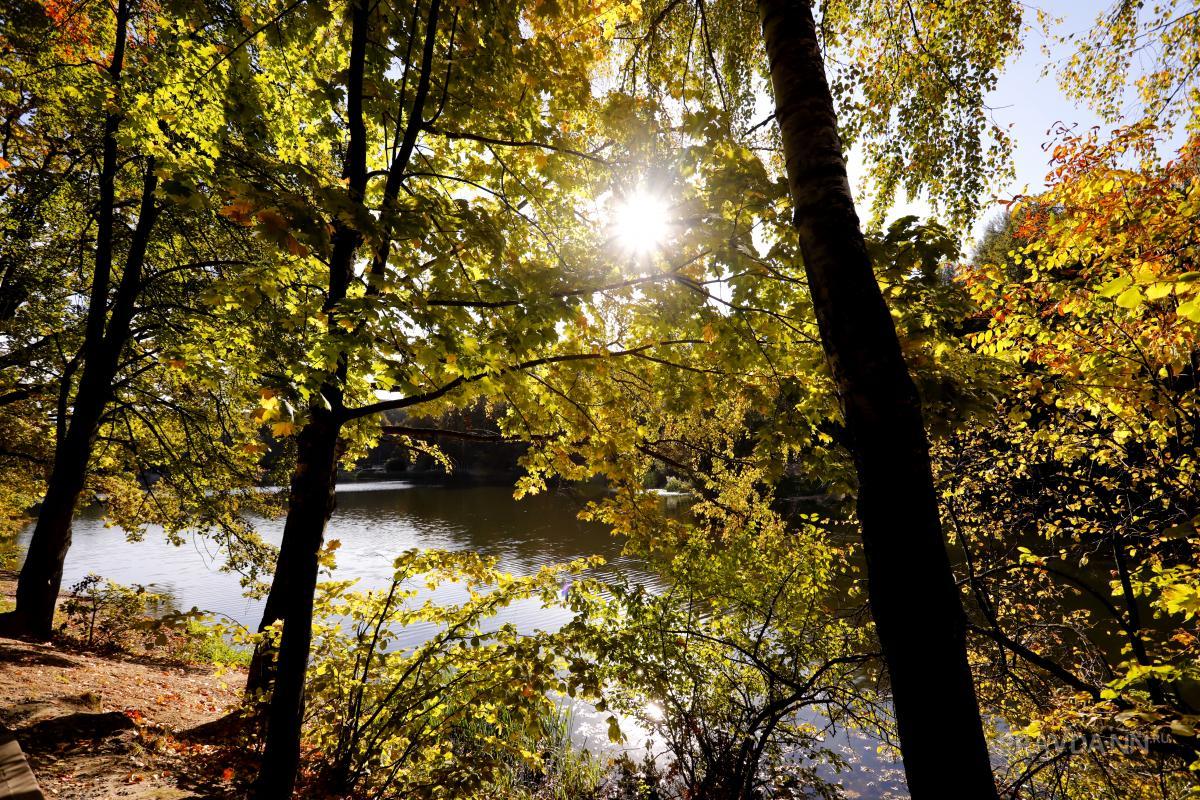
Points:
(1189, 310)
(1130, 298)
(1158, 291)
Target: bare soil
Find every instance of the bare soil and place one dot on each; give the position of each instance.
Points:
(120, 726)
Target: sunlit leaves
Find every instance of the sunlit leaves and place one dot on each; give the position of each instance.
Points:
(1090, 472)
(394, 717)
(1136, 62)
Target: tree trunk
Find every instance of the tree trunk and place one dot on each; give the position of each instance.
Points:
(312, 494)
(104, 340)
(917, 611)
(310, 505)
(261, 672)
(41, 574)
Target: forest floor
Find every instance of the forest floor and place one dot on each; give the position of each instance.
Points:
(119, 726)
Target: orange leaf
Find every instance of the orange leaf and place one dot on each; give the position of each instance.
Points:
(238, 212)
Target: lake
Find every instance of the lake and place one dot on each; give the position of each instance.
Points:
(374, 522)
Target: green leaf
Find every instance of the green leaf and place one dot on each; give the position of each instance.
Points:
(1190, 310)
(614, 730)
(1131, 298)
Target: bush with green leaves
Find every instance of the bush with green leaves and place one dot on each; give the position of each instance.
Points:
(453, 714)
(199, 637)
(103, 615)
(106, 616)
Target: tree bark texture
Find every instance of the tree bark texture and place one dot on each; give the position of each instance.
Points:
(913, 599)
(310, 505)
(106, 334)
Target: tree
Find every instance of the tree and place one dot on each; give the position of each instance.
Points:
(37, 591)
(465, 288)
(1086, 600)
(111, 349)
(910, 581)
(879, 401)
(1137, 62)
(914, 600)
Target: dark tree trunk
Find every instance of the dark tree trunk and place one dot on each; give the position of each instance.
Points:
(310, 505)
(104, 340)
(311, 501)
(261, 671)
(41, 574)
(917, 612)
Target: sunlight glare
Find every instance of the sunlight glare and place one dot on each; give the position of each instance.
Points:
(640, 222)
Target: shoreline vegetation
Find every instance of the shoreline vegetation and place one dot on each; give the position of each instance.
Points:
(98, 721)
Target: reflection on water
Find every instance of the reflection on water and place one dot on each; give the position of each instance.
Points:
(374, 522)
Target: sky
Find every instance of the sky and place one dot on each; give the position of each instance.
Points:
(1029, 104)
(1032, 103)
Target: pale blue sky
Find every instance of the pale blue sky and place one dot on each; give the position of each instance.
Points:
(1029, 104)
(1032, 103)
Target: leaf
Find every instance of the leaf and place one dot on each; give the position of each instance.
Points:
(1190, 310)
(1115, 286)
(1130, 298)
(273, 221)
(294, 247)
(240, 212)
(1157, 291)
(1181, 728)
(1182, 599)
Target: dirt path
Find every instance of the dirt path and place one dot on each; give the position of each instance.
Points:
(120, 726)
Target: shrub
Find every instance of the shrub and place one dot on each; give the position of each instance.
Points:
(106, 616)
(464, 710)
(103, 615)
(561, 771)
(196, 637)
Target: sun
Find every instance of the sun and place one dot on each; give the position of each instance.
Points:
(640, 222)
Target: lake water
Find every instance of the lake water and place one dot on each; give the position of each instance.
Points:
(375, 522)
